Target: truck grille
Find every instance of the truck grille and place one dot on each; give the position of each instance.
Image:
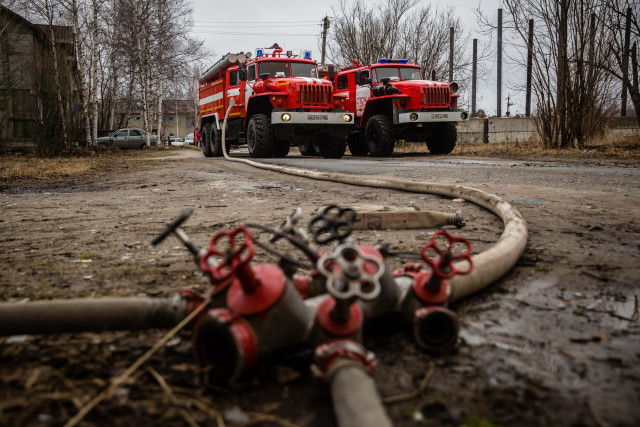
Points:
(315, 94)
(436, 96)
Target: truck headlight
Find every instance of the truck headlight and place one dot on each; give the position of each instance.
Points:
(286, 117)
(347, 118)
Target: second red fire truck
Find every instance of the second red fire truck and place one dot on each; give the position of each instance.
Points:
(391, 101)
(280, 102)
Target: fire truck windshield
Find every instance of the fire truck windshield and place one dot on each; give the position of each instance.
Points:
(299, 69)
(396, 73)
(390, 73)
(284, 69)
(275, 69)
(410, 73)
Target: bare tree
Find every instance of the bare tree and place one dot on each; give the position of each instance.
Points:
(617, 14)
(398, 29)
(573, 100)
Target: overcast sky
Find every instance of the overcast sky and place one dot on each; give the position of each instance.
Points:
(228, 26)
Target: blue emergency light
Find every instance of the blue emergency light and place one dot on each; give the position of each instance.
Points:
(392, 61)
(307, 54)
(258, 53)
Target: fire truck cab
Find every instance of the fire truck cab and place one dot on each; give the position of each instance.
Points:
(391, 101)
(280, 101)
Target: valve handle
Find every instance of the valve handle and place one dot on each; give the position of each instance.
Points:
(288, 225)
(171, 227)
(351, 274)
(234, 257)
(335, 222)
(446, 257)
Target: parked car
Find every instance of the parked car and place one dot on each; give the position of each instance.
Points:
(189, 139)
(176, 142)
(128, 138)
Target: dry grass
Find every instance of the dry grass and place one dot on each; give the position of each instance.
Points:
(607, 147)
(18, 168)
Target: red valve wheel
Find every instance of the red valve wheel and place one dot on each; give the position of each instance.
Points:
(233, 257)
(446, 257)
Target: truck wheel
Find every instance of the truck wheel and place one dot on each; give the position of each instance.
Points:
(281, 148)
(205, 140)
(379, 136)
(357, 145)
(443, 138)
(216, 143)
(333, 149)
(260, 136)
(307, 149)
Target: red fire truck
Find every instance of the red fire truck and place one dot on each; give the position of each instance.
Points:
(281, 102)
(391, 101)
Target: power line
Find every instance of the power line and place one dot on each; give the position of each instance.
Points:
(252, 26)
(257, 22)
(254, 34)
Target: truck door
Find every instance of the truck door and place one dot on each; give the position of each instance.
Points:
(251, 79)
(363, 91)
(233, 90)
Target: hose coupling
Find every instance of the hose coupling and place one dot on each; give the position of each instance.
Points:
(435, 328)
(225, 345)
(325, 355)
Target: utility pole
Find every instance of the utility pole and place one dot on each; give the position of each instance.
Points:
(325, 27)
(499, 89)
(474, 74)
(529, 69)
(451, 38)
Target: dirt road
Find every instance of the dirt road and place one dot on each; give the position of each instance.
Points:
(554, 342)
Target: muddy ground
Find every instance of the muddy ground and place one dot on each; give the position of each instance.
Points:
(554, 342)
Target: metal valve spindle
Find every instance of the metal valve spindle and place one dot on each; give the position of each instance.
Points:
(350, 275)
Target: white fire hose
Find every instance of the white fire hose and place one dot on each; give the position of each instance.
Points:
(488, 266)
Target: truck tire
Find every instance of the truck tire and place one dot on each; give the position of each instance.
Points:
(379, 136)
(357, 145)
(307, 149)
(443, 138)
(205, 140)
(334, 149)
(216, 143)
(280, 148)
(260, 139)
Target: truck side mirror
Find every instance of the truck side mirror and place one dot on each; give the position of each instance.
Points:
(242, 75)
(332, 72)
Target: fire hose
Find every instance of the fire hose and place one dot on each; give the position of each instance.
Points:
(254, 311)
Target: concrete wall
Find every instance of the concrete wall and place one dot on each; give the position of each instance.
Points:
(507, 129)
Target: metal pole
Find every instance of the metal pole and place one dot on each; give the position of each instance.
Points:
(474, 75)
(625, 63)
(499, 89)
(451, 34)
(529, 69)
(325, 27)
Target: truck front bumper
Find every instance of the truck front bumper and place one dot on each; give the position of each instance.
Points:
(310, 118)
(432, 116)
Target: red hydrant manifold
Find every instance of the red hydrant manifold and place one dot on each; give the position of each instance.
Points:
(255, 311)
